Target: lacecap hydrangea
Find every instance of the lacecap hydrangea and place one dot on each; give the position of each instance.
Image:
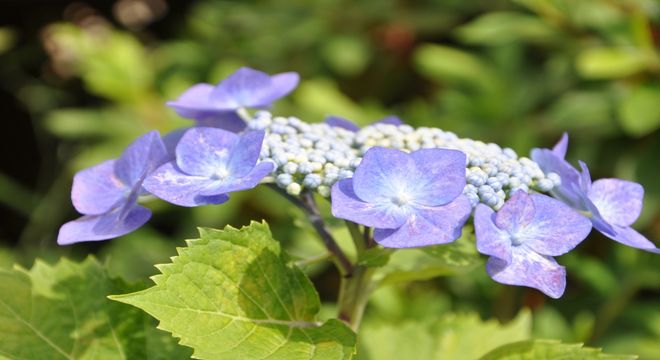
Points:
(412, 186)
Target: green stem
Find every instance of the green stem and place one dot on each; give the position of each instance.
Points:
(354, 295)
(354, 290)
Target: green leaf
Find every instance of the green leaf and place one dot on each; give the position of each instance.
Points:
(456, 337)
(455, 66)
(503, 27)
(431, 261)
(638, 111)
(549, 349)
(346, 55)
(233, 294)
(610, 62)
(61, 312)
(375, 257)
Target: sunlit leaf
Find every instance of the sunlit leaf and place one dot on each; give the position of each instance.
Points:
(456, 337)
(232, 294)
(549, 349)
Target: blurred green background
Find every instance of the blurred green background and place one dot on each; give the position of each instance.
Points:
(81, 80)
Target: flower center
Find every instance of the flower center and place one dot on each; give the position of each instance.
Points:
(221, 173)
(401, 199)
(516, 240)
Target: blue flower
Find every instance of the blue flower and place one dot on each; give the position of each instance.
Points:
(410, 199)
(107, 193)
(216, 106)
(612, 205)
(524, 235)
(344, 123)
(209, 163)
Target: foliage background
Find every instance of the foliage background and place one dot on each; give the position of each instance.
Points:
(82, 80)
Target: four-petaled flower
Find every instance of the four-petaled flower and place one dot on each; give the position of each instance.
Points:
(209, 163)
(107, 193)
(612, 205)
(411, 199)
(216, 106)
(522, 237)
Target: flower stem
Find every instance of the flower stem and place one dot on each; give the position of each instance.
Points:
(354, 294)
(354, 290)
(308, 205)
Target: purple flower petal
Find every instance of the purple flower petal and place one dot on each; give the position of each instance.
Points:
(628, 236)
(194, 102)
(527, 268)
(347, 205)
(171, 185)
(517, 212)
(585, 178)
(556, 228)
(245, 153)
(252, 88)
(428, 226)
(228, 120)
(96, 190)
(491, 240)
(443, 175)
(205, 151)
(562, 145)
(103, 227)
(567, 191)
(341, 122)
(385, 174)
(140, 158)
(390, 120)
(283, 84)
(248, 181)
(618, 201)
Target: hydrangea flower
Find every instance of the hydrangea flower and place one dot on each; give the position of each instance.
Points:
(209, 163)
(216, 106)
(338, 121)
(107, 193)
(524, 235)
(411, 199)
(612, 205)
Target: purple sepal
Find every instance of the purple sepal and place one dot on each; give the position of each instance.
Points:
(410, 199)
(209, 163)
(215, 106)
(107, 193)
(612, 205)
(522, 237)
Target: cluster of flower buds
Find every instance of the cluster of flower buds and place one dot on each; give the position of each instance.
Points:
(414, 187)
(315, 156)
(312, 156)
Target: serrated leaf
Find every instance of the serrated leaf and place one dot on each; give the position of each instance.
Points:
(233, 294)
(549, 349)
(61, 312)
(430, 261)
(456, 337)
